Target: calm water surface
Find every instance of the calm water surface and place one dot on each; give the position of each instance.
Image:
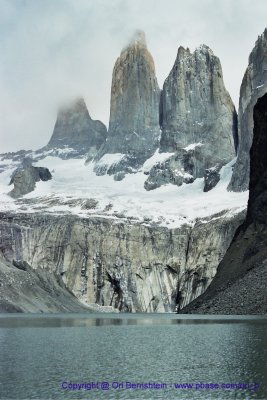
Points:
(41, 355)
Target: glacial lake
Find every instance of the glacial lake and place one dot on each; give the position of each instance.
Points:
(132, 356)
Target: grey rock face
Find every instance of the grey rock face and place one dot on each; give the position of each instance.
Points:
(130, 266)
(134, 108)
(243, 270)
(254, 85)
(196, 109)
(23, 289)
(211, 178)
(176, 170)
(196, 106)
(75, 129)
(24, 178)
(183, 167)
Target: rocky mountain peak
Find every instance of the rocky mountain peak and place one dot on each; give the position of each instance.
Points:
(193, 99)
(134, 107)
(197, 117)
(184, 54)
(203, 48)
(75, 129)
(260, 45)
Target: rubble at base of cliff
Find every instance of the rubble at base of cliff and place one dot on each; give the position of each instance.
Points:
(246, 296)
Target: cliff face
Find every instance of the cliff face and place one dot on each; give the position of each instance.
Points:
(196, 106)
(197, 117)
(240, 284)
(134, 107)
(130, 266)
(254, 85)
(75, 129)
(115, 244)
(26, 290)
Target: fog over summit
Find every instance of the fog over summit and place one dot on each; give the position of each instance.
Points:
(55, 51)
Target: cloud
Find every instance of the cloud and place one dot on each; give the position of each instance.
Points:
(52, 51)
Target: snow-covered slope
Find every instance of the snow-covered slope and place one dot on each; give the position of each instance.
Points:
(74, 183)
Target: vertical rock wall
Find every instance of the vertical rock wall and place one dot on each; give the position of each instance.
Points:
(134, 107)
(254, 85)
(198, 119)
(196, 106)
(132, 267)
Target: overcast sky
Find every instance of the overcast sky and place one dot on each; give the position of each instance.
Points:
(55, 50)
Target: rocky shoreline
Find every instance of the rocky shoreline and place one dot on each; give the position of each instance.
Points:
(246, 296)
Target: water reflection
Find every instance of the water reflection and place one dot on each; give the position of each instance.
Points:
(92, 320)
(35, 360)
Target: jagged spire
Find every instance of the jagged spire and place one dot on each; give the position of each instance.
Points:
(134, 106)
(193, 94)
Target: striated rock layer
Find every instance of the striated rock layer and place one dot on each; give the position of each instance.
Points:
(134, 109)
(239, 286)
(76, 130)
(254, 85)
(197, 117)
(130, 266)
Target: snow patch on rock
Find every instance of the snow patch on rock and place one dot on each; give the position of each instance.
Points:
(192, 146)
(155, 159)
(169, 205)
